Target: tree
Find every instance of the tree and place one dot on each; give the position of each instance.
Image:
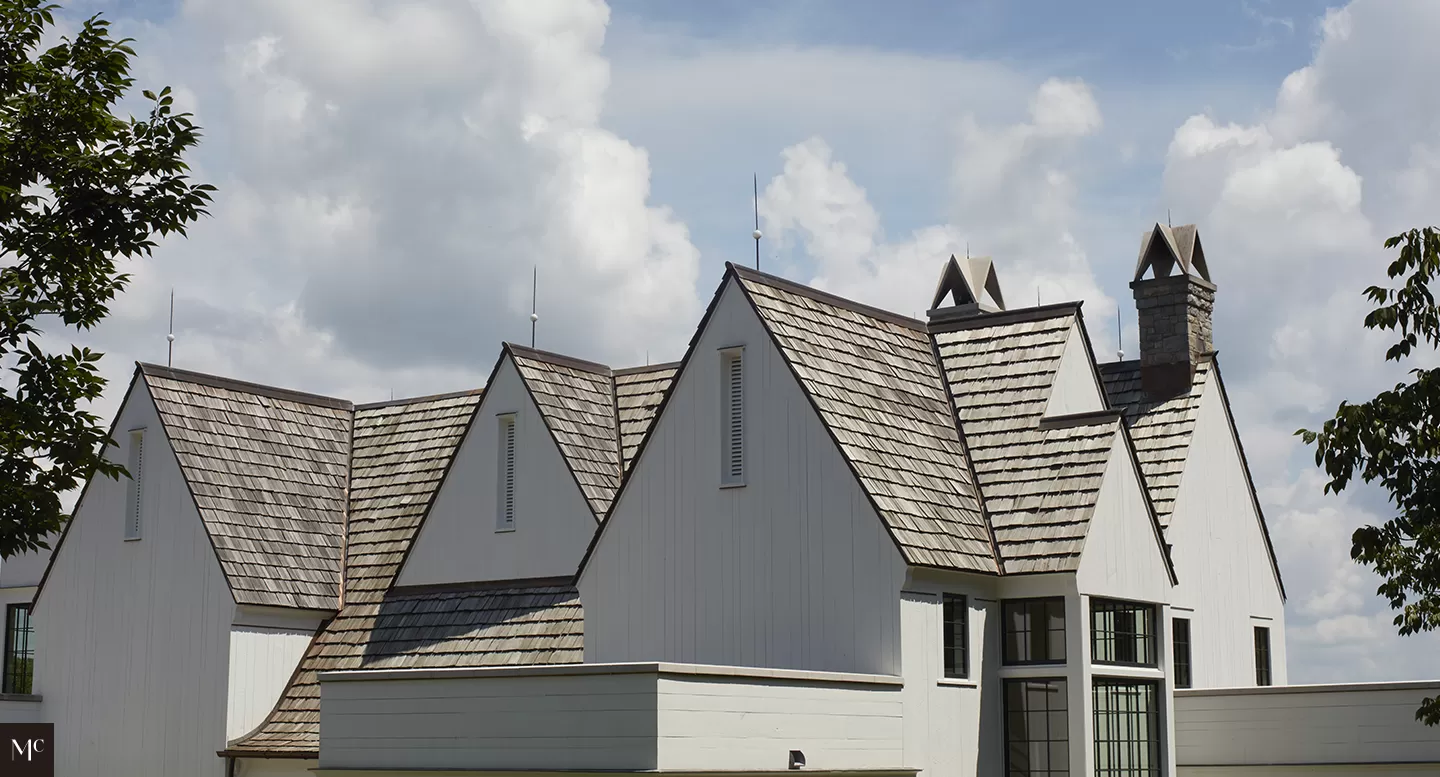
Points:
(80, 187)
(1394, 440)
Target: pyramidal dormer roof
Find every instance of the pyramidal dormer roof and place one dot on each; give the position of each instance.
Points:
(1163, 249)
(969, 281)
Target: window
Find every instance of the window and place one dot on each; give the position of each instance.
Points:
(135, 492)
(732, 421)
(505, 476)
(1262, 655)
(957, 635)
(1127, 728)
(1122, 632)
(1037, 739)
(1181, 628)
(1034, 631)
(19, 650)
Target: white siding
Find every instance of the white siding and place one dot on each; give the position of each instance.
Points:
(1345, 724)
(792, 570)
(261, 662)
(132, 637)
(275, 767)
(952, 727)
(1123, 557)
(626, 718)
(553, 522)
(16, 711)
(1075, 389)
(1226, 580)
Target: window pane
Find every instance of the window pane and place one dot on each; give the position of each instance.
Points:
(1034, 630)
(1182, 652)
(1122, 632)
(1127, 732)
(1262, 655)
(1036, 728)
(19, 669)
(956, 635)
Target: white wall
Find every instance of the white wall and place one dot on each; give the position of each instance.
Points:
(1123, 557)
(275, 767)
(1366, 723)
(133, 637)
(261, 662)
(553, 523)
(1075, 388)
(792, 570)
(1227, 584)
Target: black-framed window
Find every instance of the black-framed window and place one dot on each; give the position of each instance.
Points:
(1037, 728)
(19, 650)
(1122, 632)
(1262, 655)
(1034, 630)
(1127, 727)
(1180, 634)
(957, 635)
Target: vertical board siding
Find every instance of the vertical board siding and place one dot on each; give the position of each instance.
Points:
(132, 637)
(1123, 557)
(261, 662)
(1221, 558)
(793, 570)
(275, 767)
(1075, 388)
(458, 542)
(1358, 724)
(951, 729)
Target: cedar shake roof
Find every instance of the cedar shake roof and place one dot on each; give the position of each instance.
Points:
(873, 379)
(267, 469)
(1161, 430)
(577, 403)
(523, 623)
(1040, 482)
(638, 392)
(401, 453)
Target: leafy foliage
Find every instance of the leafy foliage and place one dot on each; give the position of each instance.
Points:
(1394, 440)
(79, 187)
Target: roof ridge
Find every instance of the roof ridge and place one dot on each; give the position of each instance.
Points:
(558, 358)
(617, 372)
(941, 323)
(244, 386)
(826, 297)
(419, 399)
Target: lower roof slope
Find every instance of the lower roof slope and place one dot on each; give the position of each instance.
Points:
(1161, 429)
(402, 451)
(1040, 483)
(267, 469)
(638, 393)
(873, 379)
(535, 623)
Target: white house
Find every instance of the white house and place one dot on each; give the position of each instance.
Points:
(831, 538)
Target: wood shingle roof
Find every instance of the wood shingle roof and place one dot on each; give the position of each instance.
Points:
(1161, 430)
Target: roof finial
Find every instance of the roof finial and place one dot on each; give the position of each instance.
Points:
(170, 337)
(1167, 218)
(534, 290)
(755, 185)
(1119, 337)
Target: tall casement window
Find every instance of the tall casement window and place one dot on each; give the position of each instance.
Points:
(732, 417)
(1037, 728)
(957, 635)
(1034, 630)
(1181, 629)
(1127, 727)
(135, 491)
(19, 650)
(505, 475)
(1262, 655)
(1122, 632)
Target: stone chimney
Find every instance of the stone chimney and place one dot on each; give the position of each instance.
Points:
(1174, 306)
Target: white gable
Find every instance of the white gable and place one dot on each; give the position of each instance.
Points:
(793, 569)
(1075, 388)
(1123, 556)
(460, 541)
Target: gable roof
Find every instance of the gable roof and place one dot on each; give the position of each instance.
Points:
(401, 453)
(576, 400)
(638, 393)
(267, 469)
(1040, 481)
(523, 622)
(872, 378)
(1161, 430)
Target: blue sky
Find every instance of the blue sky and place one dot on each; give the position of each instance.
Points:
(391, 172)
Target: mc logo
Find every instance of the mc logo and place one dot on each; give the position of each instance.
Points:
(29, 750)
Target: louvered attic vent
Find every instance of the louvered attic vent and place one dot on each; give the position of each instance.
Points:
(135, 492)
(505, 476)
(732, 409)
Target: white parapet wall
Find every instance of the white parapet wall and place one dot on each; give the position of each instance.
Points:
(19, 708)
(609, 717)
(1335, 730)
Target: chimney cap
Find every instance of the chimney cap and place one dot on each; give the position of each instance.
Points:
(1163, 247)
(966, 281)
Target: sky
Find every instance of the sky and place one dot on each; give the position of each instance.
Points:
(392, 172)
